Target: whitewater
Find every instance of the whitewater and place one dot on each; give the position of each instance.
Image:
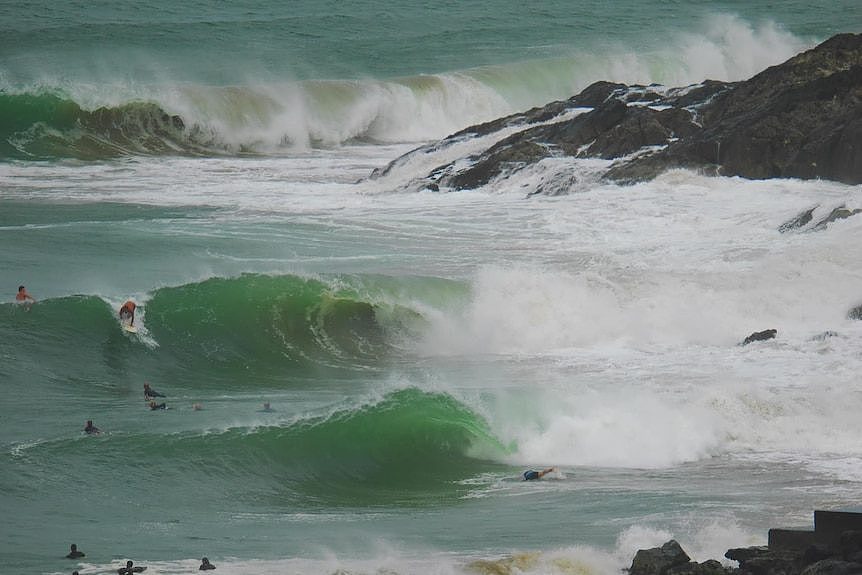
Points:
(420, 349)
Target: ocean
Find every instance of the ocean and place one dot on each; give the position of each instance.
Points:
(420, 350)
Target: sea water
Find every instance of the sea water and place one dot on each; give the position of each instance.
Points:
(420, 350)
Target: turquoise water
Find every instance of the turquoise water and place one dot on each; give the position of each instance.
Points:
(420, 350)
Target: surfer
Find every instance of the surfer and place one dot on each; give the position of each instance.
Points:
(129, 569)
(127, 312)
(531, 474)
(266, 408)
(206, 565)
(150, 393)
(89, 429)
(74, 553)
(154, 406)
(22, 297)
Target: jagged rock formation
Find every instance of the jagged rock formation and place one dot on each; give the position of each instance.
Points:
(799, 119)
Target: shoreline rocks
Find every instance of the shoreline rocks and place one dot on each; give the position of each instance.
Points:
(799, 119)
(833, 547)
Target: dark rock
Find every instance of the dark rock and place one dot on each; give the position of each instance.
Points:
(534, 144)
(799, 119)
(695, 96)
(772, 564)
(850, 543)
(816, 553)
(506, 155)
(746, 553)
(833, 567)
(800, 220)
(597, 94)
(610, 130)
(855, 313)
(639, 128)
(760, 336)
(658, 560)
(710, 567)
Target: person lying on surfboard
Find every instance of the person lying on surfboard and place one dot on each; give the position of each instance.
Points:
(154, 406)
(531, 475)
(127, 312)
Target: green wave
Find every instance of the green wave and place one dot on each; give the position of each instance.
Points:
(283, 322)
(40, 126)
(410, 447)
(243, 330)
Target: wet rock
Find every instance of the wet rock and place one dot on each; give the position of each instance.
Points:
(658, 560)
(799, 119)
(833, 567)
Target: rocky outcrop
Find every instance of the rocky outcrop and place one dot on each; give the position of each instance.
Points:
(670, 559)
(833, 547)
(800, 119)
(817, 559)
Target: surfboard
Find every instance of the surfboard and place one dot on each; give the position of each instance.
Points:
(130, 328)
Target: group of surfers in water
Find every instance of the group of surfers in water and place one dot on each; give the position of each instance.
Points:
(149, 395)
(130, 565)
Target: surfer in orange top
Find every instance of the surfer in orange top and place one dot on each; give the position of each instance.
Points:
(127, 312)
(24, 298)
